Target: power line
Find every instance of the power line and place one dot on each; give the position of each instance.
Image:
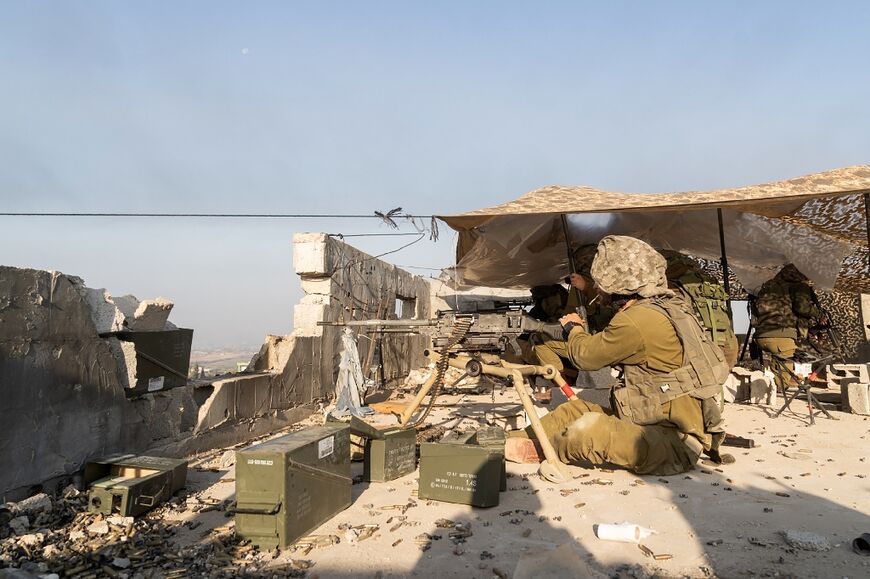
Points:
(343, 235)
(209, 215)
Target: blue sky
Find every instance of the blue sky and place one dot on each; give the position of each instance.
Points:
(349, 107)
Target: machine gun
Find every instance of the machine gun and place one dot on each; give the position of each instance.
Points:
(474, 343)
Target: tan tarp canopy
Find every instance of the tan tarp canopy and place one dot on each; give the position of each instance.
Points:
(816, 222)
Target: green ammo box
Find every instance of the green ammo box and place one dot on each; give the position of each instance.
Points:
(390, 456)
(467, 469)
(290, 485)
(130, 485)
(389, 453)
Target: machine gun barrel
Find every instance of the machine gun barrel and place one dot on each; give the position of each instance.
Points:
(382, 323)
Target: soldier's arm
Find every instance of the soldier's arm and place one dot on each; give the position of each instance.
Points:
(618, 342)
(803, 304)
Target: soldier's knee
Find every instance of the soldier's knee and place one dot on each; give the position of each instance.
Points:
(584, 424)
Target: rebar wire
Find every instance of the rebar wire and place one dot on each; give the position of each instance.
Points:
(343, 235)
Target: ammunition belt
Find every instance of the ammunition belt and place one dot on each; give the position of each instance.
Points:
(460, 329)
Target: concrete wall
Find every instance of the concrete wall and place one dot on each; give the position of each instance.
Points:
(63, 400)
(342, 283)
(61, 396)
(63, 389)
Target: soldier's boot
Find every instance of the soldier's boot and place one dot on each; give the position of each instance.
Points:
(713, 453)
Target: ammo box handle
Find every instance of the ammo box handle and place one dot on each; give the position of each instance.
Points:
(146, 501)
(253, 511)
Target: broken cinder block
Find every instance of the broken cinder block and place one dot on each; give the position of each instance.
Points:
(838, 373)
(311, 256)
(750, 386)
(856, 397)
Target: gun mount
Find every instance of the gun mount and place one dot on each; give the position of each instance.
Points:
(474, 343)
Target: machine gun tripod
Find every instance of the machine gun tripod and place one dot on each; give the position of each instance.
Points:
(803, 384)
(519, 376)
(474, 343)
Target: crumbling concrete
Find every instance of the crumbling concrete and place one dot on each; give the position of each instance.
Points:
(839, 374)
(72, 347)
(341, 284)
(58, 380)
(111, 314)
(64, 386)
(856, 397)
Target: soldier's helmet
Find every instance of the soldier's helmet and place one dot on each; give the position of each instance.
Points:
(540, 292)
(627, 266)
(790, 273)
(583, 257)
(678, 263)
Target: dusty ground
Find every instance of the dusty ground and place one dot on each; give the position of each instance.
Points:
(724, 522)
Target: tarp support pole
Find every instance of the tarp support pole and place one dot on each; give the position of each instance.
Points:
(726, 273)
(867, 223)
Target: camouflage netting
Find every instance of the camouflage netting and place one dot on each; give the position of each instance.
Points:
(816, 222)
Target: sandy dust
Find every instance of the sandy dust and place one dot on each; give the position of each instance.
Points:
(722, 522)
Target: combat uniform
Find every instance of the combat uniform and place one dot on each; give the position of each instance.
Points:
(550, 304)
(784, 311)
(664, 414)
(553, 350)
(707, 297)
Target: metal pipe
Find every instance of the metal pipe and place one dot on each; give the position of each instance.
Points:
(377, 323)
(726, 273)
(867, 222)
(556, 472)
(581, 299)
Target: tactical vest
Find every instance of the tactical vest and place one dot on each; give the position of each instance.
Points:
(700, 376)
(710, 301)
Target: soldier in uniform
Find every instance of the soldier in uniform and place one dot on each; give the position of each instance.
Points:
(708, 298)
(664, 413)
(550, 302)
(784, 311)
(552, 350)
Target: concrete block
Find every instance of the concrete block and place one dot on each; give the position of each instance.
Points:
(319, 285)
(856, 398)
(836, 374)
(599, 396)
(105, 314)
(151, 315)
(311, 256)
(762, 389)
(749, 386)
(306, 316)
(731, 388)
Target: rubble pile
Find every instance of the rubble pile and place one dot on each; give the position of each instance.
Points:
(58, 538)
